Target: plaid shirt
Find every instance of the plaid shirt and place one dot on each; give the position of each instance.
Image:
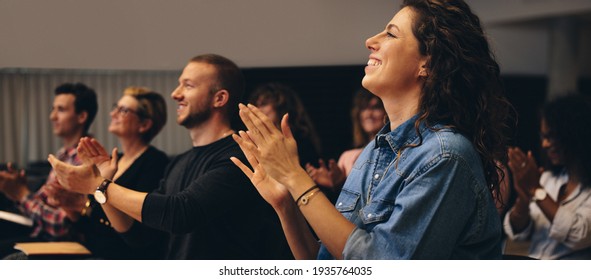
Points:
(48, 220)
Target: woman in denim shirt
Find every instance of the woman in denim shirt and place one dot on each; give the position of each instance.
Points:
(423, 189)
(553, 208)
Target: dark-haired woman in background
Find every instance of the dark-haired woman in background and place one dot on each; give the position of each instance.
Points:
(553, 207)
(367, 117)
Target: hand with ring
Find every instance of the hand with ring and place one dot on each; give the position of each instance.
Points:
(526, 175)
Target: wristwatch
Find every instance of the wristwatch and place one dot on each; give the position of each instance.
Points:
(539, 194)
(100, 195)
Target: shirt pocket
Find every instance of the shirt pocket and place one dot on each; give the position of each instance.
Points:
(347, 202)
(376, 212)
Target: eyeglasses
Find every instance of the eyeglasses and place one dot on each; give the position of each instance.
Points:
(122, 110)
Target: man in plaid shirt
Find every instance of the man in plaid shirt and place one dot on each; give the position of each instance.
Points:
(74, 109)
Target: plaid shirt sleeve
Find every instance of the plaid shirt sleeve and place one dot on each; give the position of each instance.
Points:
(48, 220)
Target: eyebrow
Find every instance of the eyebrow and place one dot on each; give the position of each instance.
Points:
(393, 26)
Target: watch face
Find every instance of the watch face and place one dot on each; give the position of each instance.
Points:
(540, 194)
(100, 197)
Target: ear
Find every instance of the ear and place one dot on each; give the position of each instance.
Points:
(423, 73)
(145, 125)
(220, 98)
(82, 117)
(423, 70)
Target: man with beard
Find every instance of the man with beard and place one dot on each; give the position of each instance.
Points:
(205, 203)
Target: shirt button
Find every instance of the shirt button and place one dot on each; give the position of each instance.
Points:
(369, 215)
(376, 176)
(340, 203)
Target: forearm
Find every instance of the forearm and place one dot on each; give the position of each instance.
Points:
(120, 221)
(302, 242)
(326, 221)
(519, 216)
(548, 207)
(49, 219)
(125, 201)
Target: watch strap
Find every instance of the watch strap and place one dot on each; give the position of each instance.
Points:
(104, 185)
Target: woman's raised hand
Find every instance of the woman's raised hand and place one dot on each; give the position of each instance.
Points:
(91, 151)
(276, 151)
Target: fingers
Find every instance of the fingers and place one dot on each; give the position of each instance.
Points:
(311, 170)
(242, 167)
(55, 163)
(92, 148)
(253, 130)
(10, 167)
(258, 124)
(247, 148)
(285, 129)
(98, 147)
(332, 164)
(265, 125)
(58, 166)
(114, 157)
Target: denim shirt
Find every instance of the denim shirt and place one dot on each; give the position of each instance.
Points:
(428, 202)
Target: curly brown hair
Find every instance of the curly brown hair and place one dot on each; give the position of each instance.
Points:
(463, 89)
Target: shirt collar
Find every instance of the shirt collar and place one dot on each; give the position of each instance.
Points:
(401, 136)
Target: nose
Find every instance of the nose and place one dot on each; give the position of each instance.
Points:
(371, 42)
(52, 115)
(546, 143)
(113, 112)
(176, 93)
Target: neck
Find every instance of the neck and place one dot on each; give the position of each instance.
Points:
(209, 132)
(72, 140)
(132, 147)
(401, 103)
(400, 109)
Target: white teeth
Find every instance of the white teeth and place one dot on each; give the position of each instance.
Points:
(374, 62)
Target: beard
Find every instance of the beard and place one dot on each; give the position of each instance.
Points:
(197, 117)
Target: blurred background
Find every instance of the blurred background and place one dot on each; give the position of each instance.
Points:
(315, 46)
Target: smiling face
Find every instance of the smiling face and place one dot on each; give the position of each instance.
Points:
(372, 117)
(549, 144)
(124, 118)
(395, 65)
(193, 94)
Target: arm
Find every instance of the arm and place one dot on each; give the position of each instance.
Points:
(86, 178)
(277, 154)
(526, 177)
(47, 218)
(299, 237)
(92, 152)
